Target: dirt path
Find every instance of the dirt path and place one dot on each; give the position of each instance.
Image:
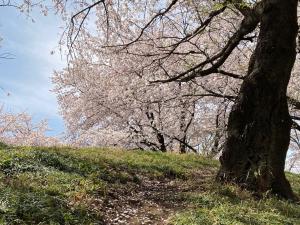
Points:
(150, 203)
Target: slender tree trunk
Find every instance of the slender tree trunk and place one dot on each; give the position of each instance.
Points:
(186, 118)
(259, 123)
(160, 137)
(182, 124)
(182, 145)
(216, 142)
(161, 141)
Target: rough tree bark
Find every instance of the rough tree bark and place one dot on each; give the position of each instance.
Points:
(259, 123)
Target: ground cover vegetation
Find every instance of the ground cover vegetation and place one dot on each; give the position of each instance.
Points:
(97, 186)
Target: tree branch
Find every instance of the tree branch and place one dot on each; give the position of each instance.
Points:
(248, 25)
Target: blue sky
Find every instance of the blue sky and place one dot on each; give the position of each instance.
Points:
(27, 77)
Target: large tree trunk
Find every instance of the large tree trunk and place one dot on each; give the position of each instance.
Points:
(259, 123)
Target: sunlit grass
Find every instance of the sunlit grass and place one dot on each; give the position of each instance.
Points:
(229, 205)
(68, 186)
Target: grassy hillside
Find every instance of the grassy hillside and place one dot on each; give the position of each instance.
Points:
(102, 186)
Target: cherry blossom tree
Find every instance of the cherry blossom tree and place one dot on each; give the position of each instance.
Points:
(149, 116)
(234, 50)
(203, 39)
(93, 54)
(19, 129)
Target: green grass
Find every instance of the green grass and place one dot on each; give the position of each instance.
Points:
(229, 205)
(68, 186)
